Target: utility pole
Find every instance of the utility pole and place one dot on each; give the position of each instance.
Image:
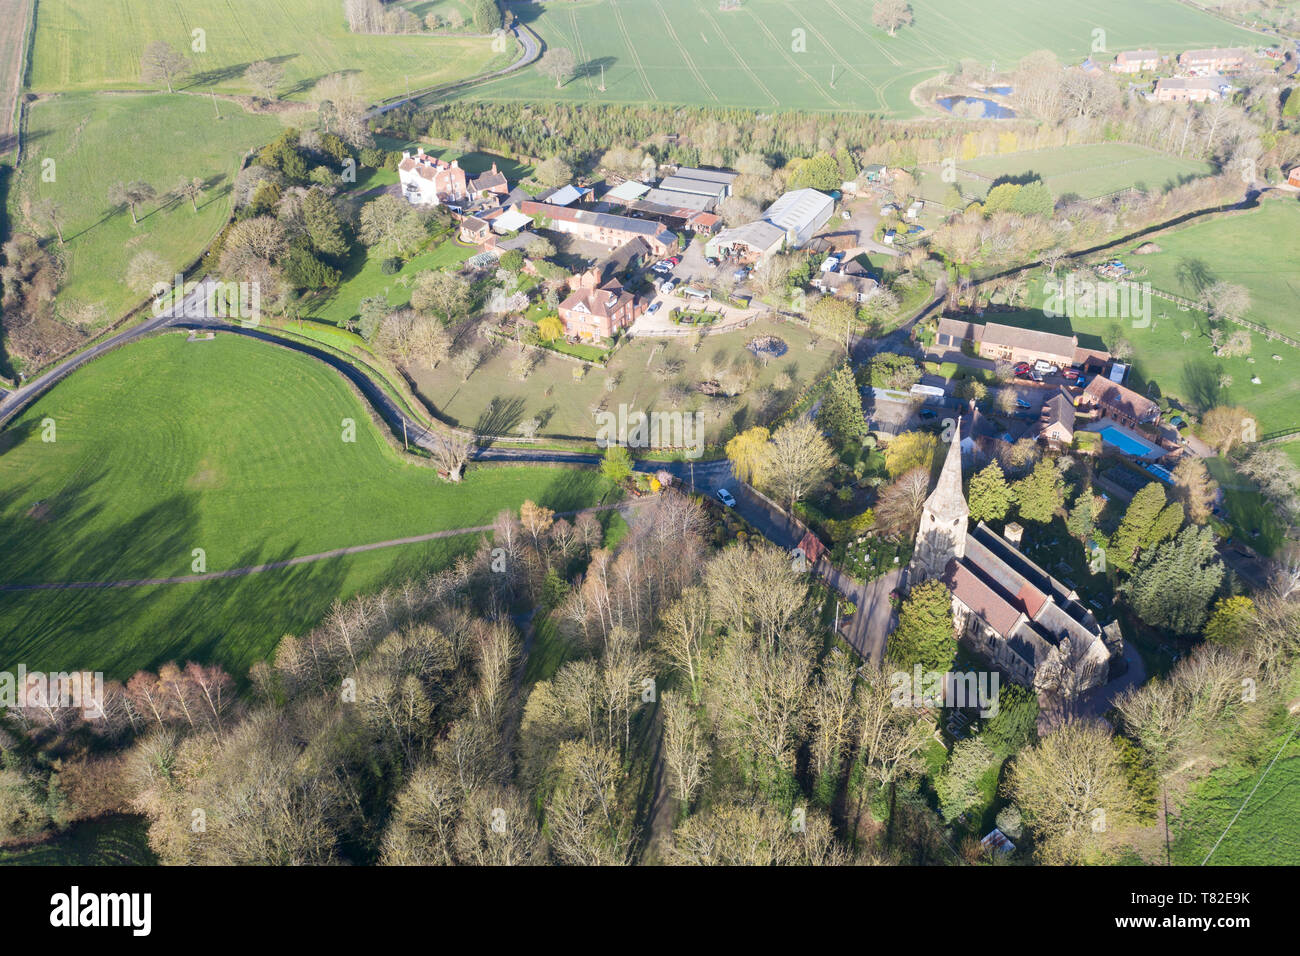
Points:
(832, 76)
(602, 77)
(405, 444)
(214, 103)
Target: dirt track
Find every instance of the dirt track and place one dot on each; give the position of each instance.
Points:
(13, 26)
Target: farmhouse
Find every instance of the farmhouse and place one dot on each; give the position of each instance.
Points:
(598, 311)
(1008, 343)
(1136, 61)
(602, 228)
(1216, 60)
(490, 184)
(1190, 89)
(1005, 606)
(1120, 403)
(851, 282)
(474, 230)
(428, 181)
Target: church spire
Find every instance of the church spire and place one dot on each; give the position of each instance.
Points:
(946, 502)
(942, 534)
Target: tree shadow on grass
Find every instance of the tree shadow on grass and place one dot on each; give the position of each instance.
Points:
(1201, 383)
(500, 417)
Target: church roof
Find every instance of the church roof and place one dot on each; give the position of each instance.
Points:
(947, 502)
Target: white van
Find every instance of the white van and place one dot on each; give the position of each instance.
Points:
(1045, 368)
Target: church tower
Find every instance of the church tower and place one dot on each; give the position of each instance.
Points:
(942, 534)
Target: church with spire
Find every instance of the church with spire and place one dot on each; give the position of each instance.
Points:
(1005, 607)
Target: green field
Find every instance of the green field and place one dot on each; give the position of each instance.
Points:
(1256, 249)
(683, 51)
(96, 45)
(1086, 171)
(171, 138)
(1265, 833)
(235, 447)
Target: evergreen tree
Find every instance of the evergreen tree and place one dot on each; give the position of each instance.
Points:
(324, 227)
(958, 784)
(1016, 722)
(1173, 588)
(989, 495)
(841, 410)
(1040, 493)
(925, 632)
(1230, 621)
(1164, 527)
(1138, 521)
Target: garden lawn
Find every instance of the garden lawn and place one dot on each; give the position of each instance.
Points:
(235, 447)
(494, 401)
(95, 141)
(96, 45)
(820, 54)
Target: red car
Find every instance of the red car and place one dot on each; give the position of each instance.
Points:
(1022, 368)
(1071, 375)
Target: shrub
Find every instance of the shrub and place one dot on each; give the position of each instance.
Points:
(390, 266)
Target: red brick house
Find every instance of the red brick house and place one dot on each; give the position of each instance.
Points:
(1121, 404)
(595, 312)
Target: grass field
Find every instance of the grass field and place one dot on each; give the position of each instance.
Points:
(113, 841)
(495, 401)
(1265, 833)
(234, 447)
(1255, 249)
(171, 138)
(683, 51)
(96, 45)
(1086, 171)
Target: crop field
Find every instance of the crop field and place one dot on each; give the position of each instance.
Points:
(96, 45)
(1085, 171)
(171, 138)
(820, 54)
(15, 15)
(639, 375)
(234, 447)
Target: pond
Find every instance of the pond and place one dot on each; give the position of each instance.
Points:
(1000, 90)
(975, 107)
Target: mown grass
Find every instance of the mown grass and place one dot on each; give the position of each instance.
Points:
(96, 45)
(237, 448)
(79, 145)
(680, 51)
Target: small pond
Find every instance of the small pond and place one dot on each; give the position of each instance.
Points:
(975, 107)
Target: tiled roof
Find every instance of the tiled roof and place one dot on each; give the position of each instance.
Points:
(999, 613)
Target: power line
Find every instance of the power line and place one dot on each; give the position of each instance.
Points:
(1285, 744)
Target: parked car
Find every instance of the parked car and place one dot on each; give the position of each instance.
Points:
(927, 413)
(740, 274)
(669, 286)
(1022, 368)
(1021, 403)
(711, 260)
(1045, 367)
(654, 307)
(1071, 375)
(1036, 376)
(725, 497)
(673, 260)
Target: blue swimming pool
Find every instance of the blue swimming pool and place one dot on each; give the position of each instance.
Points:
(1124, 442)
